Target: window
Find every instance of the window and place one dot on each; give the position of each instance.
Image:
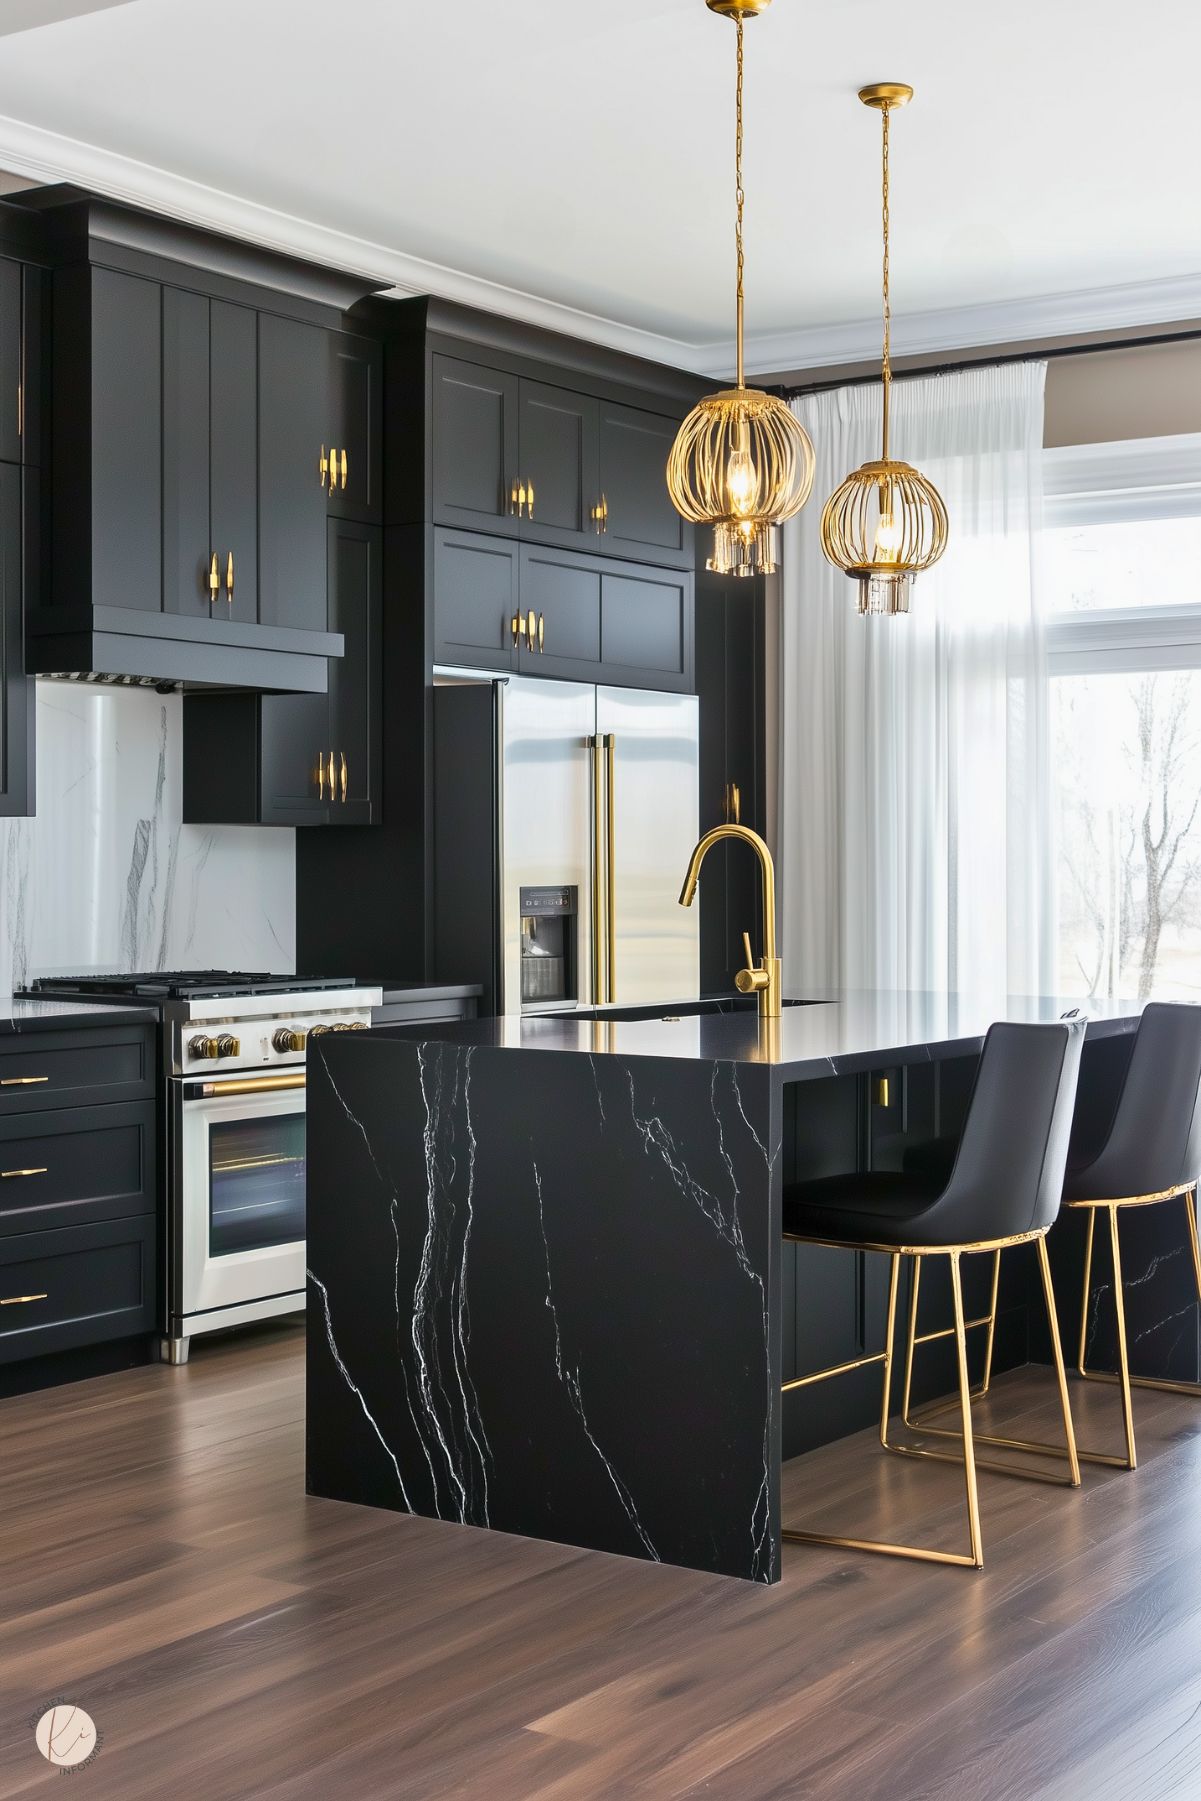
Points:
(1122, 549)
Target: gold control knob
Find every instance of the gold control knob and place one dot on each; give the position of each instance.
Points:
(203, 1047)
(358, 1025)
(287, 1038)
(316, 1031)
(343, 1026)
(228, 1045)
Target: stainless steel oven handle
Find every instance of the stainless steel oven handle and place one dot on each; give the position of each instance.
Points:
(295, 1078)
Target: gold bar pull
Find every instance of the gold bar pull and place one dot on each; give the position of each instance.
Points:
(345, 467)
(882, 1092)
(594, 745)
(324, 466)
(320, 775)
(611, 847)
(22, 1081)
(229, 578)
(517, 627)
(345, 776)
(541, 633)
(514, 503)
(19, 1300)
(7, 1174)
(531, 627)
(732, 801)
(604, 514)
(332, 791)
(521, 499)
(529, 500)
(214, 580)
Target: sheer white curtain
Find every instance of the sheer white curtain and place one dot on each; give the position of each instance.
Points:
(914, 795)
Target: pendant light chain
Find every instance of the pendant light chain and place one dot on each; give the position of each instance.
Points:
(887, 360)
(740, 199)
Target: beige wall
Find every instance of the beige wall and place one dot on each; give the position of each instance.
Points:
(1151, 392)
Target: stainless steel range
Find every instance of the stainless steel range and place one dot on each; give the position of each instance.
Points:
(234, 1115)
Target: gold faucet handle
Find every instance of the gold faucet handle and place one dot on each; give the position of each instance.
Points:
(754, 978)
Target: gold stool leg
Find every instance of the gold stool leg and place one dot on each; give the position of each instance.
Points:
(1190, 1210)
(973, 1559)
(1123, 1358)
(965, 1409)
(1044, 1264)
(916, 1422)
(1088, 1282)
(992, 1324)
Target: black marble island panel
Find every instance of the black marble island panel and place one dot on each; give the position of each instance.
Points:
(540, 1295)
(548, 1289)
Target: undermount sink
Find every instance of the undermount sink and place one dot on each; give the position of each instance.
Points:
(668, 1014)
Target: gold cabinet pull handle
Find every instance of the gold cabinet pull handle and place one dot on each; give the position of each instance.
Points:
(541, 633)
(320, 775)
(6, 1175)
(323, 466)
(513, 501)
(732, 799)
(18, 1300)
(345, 776)
(521, 498)
(611, 859)
(22, 1081)
(598, 852)
(214, 580)
(531, 627)
(229, 579)
(604, 513)
(345, 468)
(529, 500)
(332, 791)
(517, 628)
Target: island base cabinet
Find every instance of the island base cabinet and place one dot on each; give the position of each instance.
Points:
(79, 1286)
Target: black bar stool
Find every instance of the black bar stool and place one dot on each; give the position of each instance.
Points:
(1152, 1153)
(1003, 1189)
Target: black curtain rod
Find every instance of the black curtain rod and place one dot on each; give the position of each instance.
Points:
(985, 361)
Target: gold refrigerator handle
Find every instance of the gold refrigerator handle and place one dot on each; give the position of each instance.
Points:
(611, 858)
(598, 851)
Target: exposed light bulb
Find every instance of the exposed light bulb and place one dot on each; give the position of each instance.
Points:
(741, 483)
(888, 539)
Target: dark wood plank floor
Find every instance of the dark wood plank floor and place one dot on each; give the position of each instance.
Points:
(161, 1566)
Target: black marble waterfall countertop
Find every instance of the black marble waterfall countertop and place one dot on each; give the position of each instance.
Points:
(19, 1014)
(832, 1032)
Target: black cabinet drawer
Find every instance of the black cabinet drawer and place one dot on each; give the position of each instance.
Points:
(57, 1069)
(76, 1165)
(59, 1290)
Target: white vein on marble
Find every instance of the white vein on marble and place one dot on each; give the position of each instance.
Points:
(353, 1386)
(570, 1379)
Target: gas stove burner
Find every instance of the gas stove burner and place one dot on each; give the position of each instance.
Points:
(188, 984)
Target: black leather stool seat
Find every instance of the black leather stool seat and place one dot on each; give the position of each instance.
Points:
(881, 1207)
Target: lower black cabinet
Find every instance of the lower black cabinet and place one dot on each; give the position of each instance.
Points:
(300, 759)
(78, 1286)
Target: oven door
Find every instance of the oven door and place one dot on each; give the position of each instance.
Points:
(240, 1188)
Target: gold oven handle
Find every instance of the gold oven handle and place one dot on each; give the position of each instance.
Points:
(295, 1078)
(611, 856)
(594, 749)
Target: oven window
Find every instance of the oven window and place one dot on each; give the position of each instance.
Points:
(256, 1183)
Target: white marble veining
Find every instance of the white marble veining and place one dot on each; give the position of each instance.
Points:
(106, 876)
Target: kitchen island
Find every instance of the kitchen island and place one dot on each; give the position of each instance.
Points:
(548, 1288)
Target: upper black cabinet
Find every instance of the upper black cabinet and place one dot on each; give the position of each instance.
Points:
(16, 690)
(352, 460)
(294, 419)
(192, 399)
(551, 464)
(210, 483)
(473, 450)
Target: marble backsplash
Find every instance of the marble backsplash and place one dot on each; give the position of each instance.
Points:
(107, 877)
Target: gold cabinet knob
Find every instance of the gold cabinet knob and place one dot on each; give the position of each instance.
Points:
(288, 1039)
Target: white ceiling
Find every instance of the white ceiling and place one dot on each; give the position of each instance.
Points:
(570, 161)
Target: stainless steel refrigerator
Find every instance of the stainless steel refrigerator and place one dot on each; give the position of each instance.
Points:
(564, 816)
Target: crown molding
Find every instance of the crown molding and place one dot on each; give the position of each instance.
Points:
(1124, 307)
(47, 156)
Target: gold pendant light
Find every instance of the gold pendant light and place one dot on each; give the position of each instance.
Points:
(886, 522)
(741, 462)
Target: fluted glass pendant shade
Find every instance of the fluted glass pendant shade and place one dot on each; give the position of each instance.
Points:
(887, 522)
(742, 462)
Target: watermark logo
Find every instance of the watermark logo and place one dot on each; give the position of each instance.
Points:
(66, 1736)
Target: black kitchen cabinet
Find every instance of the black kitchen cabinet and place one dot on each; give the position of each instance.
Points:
(79, 1286)
(476, 601)
(590, 618)
(210, 482)
(11, 361)
(294, 422)
(731, 635)
(473, 448)
(353, 454)
(307, 759)
(637, 518)
(17, 780)
(558, 489)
